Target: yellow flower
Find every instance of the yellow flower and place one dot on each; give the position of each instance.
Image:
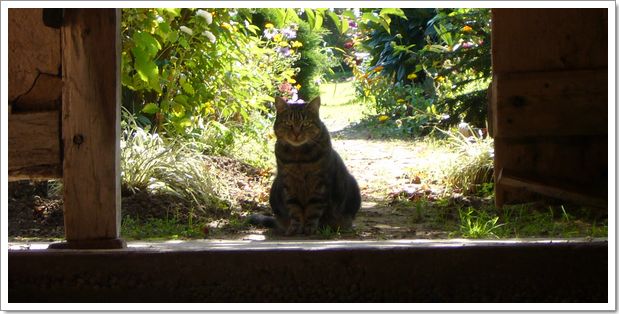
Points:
(440, 79)
(226, 26)
(283, 43)
(278, 37)
(291, 81)
(401, 100)
(298, 86)
(383, 118)
(467, 28)
(412, 76)
(268, 25)
(296, 44)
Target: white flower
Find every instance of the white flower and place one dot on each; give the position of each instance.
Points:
(186, 30)
(210, 36)
(206, 15)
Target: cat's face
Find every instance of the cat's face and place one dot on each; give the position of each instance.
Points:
(297, 124)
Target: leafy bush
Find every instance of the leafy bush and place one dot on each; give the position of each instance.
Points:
(444, 52)
(459, 62)
(313, 62)
(395, 36)
(180, 66)
(405, 104)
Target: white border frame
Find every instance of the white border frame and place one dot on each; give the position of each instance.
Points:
(611, 305)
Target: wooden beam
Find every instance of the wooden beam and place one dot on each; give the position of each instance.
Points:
(34, 145)
(564, 103)
(91, 127)
(552, 188)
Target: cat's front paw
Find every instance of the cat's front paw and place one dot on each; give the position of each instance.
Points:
(294, 228)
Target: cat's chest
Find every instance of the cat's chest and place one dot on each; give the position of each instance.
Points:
(302, 180)
(302, 172)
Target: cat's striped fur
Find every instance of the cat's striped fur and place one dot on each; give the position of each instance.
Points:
(312, 188)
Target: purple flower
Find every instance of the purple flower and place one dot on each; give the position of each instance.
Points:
(284, 51)
(269, 33)
(352, 24)
(289, 33)
(467, 45)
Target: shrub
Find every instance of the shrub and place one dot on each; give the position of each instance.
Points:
(149, 162)
(474, 164)
(184, 65)
(313, 63)
(446, 52)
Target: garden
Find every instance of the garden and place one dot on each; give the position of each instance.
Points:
(404, 94)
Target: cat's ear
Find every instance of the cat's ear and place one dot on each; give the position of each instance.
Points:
(280, 104)
(314, 105)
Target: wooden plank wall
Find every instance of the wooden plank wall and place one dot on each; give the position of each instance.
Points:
(549, 104)
(35, 89)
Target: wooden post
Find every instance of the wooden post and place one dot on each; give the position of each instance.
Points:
(91, 127)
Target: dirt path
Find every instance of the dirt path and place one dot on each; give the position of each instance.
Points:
(383, 168)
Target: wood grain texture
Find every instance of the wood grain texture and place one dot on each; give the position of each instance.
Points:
(555, 189)
(549, 39)
(34, 146)
(91, 123)
(45, 94)
(550, 103)
(33, 48)
(574, 161)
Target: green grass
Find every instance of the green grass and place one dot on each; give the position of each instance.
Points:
(339, 104)
(338, 94)
(478, 224)
(159, 229)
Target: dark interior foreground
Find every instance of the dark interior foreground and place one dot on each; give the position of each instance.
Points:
(390, 271)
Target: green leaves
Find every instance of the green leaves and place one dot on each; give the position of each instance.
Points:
(147, 43)
(314, 19)
(144, 51)
(341, 22)
(383, 17)
(150, 108)
(392, 11)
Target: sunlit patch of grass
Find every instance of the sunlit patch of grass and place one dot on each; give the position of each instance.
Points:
(478, 224)
(339, 105)
(158, 229)
(338, 94)
(328, 233)
(551, 221)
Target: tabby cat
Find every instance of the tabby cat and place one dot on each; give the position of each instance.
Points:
(312, 188)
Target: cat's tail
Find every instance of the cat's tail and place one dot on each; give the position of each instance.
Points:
(261, 220)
